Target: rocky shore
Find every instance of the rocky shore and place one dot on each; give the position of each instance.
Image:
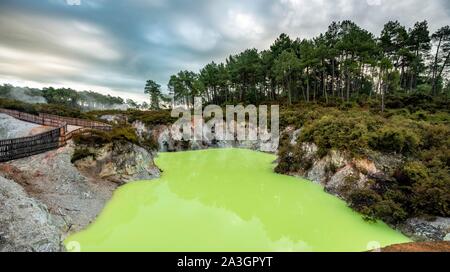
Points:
(49, 197)
(59, 197)
(335, 171)
(340, 173)
(25, 223)
(162, 135)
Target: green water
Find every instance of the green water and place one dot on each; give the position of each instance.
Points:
(227, 200)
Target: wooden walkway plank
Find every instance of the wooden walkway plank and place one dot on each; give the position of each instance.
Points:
(64, 129)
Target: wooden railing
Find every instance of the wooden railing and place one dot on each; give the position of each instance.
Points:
(69, 135)
(11, 149)
(41, 120)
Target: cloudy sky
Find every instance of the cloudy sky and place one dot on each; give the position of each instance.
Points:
(113, 46)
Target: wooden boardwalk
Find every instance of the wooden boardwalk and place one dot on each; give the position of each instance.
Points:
(63, 130)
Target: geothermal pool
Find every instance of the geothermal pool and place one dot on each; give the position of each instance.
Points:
(227, 200)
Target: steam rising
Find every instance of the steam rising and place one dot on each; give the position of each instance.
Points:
(85, 100)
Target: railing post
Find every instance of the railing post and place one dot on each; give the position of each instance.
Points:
(62, 136)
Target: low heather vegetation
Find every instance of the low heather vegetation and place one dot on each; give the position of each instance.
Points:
(418, 132)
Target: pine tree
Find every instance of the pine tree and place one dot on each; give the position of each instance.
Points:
(154, 91)
(442, 55)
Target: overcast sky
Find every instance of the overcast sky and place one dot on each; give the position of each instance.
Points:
(113, 46)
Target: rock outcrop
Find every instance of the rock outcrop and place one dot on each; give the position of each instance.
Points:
(436, 229)
(114, 118)
(25, 223)
(163, 136)
(75, 196)
(120, 163)
(51, 178)
(340, 173)
(338, 170)
(45, 197)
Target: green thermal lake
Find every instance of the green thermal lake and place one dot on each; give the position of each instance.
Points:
(227, 200)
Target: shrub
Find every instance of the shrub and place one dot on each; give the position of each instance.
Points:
(415, 171)
(347, 105)
(284, 155)
(291, 158)
(60, 110)
(373, 206)
(435, 136)
(432, 197)
(95, 138)
(362, 198)
(336, 132)
(421, 115)
(290, 118)
(151, 118)
(81, 153)
(18, 105)
(124, 134)
(424, 88)
(421, 186)
(392, 139)
(394, 102)
(150, 143)
(389, 211)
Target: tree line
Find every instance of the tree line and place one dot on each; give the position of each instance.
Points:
(344, 63)
(86, 100)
